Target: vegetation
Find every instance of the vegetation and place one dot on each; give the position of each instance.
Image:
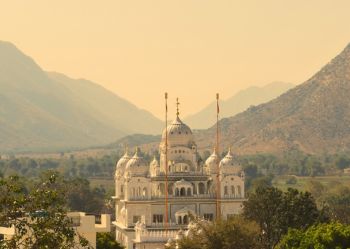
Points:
(321, 236)
(107, 241)
(38, 214)
(224, 234)
(269, 214)
(276, 211)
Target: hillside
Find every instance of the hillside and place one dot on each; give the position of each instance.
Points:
(237, 103)
(313, 117)
(131, 141)
(49, 111)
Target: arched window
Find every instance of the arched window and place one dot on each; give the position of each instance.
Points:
(161, 189)
(239, 193)
(121, 189)
(189, 192)
(233, 190)
(177, 192)
(194, 189)
(201, 188)
(139, 191)
(225, 190)
(182, 192)
(185, 220)
(170, 189)
(179, 220)
(144, 192)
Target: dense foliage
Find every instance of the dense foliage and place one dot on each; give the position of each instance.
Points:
(336, 199)
(276, 211)
(38, 214)
(295, 162)
(321, 236)
(224, 234)
(107, 241)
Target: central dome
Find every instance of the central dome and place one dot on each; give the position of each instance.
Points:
(178, 134)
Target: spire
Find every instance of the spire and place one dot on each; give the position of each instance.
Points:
(177, 107)
(229, 151)
(214, 151)
(137, 151)
(126, 150)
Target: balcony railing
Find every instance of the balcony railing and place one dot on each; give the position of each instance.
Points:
(200, 196)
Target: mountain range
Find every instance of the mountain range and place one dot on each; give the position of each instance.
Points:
(313, 117)
(41, 110)
(239, 102)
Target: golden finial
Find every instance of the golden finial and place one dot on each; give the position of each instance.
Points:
(177, 107)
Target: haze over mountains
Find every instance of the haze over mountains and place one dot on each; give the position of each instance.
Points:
(40, 110)
(49, 111)
(313, 117)
(237, 103)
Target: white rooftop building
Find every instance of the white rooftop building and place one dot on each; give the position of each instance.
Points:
(140, 190)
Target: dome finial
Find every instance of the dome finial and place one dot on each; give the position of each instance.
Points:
(229, 151)
(126, 149)
(177, 107)
(137, 151)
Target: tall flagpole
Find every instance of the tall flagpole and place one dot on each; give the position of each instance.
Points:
(218, 184)
(166, 163)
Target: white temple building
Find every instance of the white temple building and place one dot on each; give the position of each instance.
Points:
(140, 190)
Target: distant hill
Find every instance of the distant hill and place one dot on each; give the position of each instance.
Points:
(131, 141)
(49, 111)
(313, 117)
(239, 102)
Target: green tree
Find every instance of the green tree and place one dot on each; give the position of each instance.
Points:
(321, 236)
(107, 241)
(38, 215)
(222, 234)
(81, 197)
(275, 211)
(338, 202)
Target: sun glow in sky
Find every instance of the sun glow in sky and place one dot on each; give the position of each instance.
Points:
(189, 48)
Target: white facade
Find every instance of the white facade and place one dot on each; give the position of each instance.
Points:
(192, 187)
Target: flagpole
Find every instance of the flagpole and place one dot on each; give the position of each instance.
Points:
(218, 185)
(166, 163)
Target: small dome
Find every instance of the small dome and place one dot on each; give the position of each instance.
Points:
(228, 165)
(178, 133)
(211, 162)
(136, 165)
(121, 164)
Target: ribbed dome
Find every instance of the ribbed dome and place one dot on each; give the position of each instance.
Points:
(121, 164)
(178, 133)
(211, 162)
(228, 164)
(136, 165)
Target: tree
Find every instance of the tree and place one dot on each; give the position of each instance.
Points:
(80, 196)
(275, 211)
(38, 215)
(342, 162)
(321, 236)
(222, 234)
(338, 202)
(107, 241)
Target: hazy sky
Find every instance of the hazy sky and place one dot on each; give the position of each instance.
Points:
(190, 48)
